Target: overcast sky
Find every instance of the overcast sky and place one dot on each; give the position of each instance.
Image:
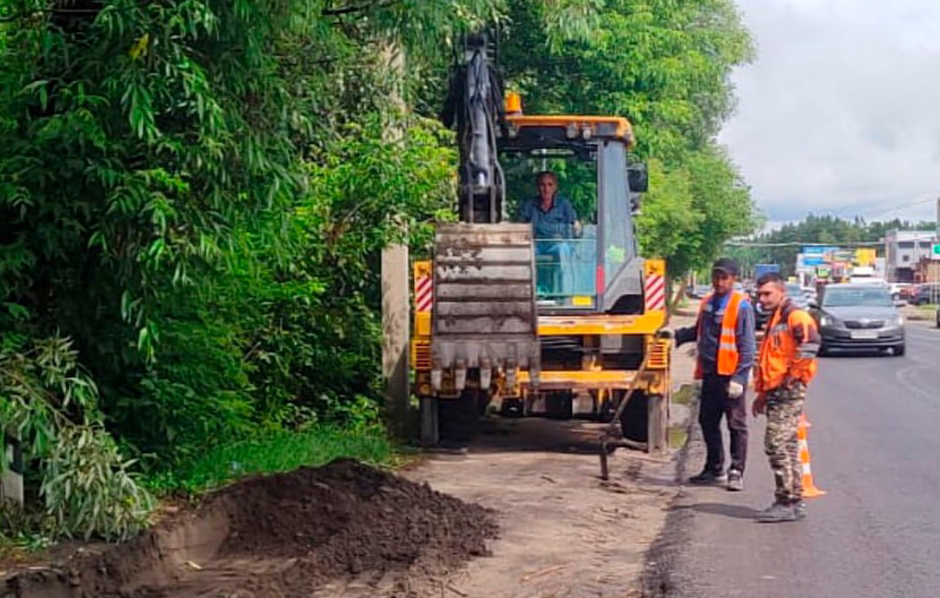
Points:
(840, 112)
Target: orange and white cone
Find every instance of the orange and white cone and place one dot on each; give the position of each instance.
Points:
(809, 488)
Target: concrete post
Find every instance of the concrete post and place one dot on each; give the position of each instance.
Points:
(657, 430)
(396, 313)
(396, 336)
(11, 484)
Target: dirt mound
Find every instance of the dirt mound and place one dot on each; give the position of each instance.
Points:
(352, 518)
(341, 528)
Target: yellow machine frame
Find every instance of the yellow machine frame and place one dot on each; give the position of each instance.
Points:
(591, 376)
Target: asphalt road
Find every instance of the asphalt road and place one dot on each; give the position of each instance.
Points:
(875, 447)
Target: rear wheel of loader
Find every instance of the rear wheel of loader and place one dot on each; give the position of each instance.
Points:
(451, 420)
(559, 404)
(458, 419)
(635, 417)
(512, 407)
(481, 402)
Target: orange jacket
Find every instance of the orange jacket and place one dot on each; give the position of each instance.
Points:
(788, 351)
(727, 344)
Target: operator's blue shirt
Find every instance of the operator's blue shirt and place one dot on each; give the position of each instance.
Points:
(555, 223)
(712, 316)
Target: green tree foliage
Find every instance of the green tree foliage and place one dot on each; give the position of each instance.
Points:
(195, 192)
(665, 65)
(668, 218)
(724, 205)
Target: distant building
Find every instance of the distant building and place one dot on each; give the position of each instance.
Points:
(928, 270)
(904, 250)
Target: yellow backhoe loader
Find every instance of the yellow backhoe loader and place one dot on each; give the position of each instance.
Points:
(530, 323)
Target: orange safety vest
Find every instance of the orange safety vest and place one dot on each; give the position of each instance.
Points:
(781, 354)
(727, 341)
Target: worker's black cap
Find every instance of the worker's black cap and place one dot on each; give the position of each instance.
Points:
(726, 264)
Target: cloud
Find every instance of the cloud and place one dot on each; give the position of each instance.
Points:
(840, 113)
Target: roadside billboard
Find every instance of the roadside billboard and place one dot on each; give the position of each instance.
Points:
(865, 257)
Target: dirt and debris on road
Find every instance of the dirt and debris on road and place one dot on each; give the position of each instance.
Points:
(563, 531)
(348, 530)
(344, 529)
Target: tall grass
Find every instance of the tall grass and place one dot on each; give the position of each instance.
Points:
(277, 452)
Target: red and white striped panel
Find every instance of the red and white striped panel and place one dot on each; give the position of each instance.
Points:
(655, 292)
(424, 293)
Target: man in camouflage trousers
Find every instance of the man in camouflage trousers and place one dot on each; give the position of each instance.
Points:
(786, 365)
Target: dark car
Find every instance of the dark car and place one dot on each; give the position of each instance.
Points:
(925, 294)
(859, 316)
(698, 291)
(794, 293)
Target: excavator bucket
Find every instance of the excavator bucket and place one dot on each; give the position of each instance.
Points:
(484, 313)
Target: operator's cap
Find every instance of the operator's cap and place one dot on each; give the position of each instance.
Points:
(726, 265)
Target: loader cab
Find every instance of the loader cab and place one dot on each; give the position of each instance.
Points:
(596, 269)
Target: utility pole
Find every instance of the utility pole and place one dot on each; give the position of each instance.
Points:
(396, 323)
(933, 267)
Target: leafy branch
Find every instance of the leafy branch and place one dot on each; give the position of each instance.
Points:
(358, 8)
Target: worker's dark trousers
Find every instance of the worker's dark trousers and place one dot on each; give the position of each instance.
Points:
(714, 404)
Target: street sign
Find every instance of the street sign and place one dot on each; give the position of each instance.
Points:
(842, 255)
(935, 252)
(819, 249)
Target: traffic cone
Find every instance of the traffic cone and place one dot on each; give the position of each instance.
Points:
(805, 420)
(809, 488)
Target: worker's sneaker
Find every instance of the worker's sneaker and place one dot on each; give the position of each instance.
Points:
(799, 509)
(735, 481)
(708, 478)
(777, 513)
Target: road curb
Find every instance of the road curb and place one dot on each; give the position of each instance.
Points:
(656, 580)
(683, 454)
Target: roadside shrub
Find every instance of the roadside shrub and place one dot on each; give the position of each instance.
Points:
(88, 488)
(50, 405)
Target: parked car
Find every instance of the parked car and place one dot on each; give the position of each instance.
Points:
(926, 294)
(794, 293)
(698, 291)
(898, 289)
(857, 316)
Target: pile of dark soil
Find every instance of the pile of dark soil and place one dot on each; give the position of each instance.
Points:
(295, 534)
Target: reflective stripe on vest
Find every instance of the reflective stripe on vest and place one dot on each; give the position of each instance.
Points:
(727, 362)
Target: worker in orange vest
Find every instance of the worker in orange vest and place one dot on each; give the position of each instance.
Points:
(785, 366)
(725, 336)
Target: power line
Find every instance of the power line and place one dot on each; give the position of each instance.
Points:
(861, 209)
(901, 207)
(758, 244)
